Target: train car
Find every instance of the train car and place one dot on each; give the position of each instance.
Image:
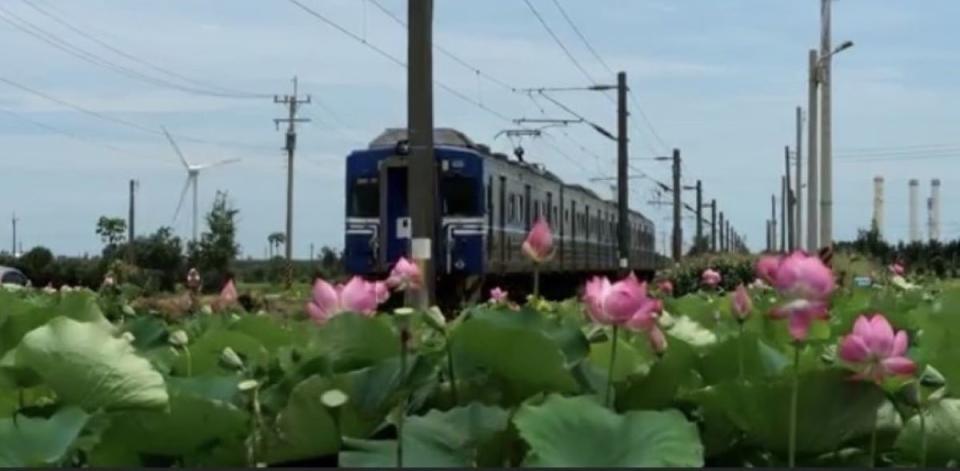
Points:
(487, 204)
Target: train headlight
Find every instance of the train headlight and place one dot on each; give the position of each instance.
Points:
(459, 264)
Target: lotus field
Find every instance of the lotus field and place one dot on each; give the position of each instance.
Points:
(791, 370)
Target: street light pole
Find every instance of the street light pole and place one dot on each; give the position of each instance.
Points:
(798, 206)
(623, 194)
(826, 151)
(813, 192)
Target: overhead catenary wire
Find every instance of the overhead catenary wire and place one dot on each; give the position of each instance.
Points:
(78, 137)
(636, 103)
(54, 41)
(446, 52)
(396, 60)
(124, 122)
(132, 57)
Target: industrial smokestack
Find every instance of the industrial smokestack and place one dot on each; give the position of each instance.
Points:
(914, 201)
(934, 209)
(878, 205)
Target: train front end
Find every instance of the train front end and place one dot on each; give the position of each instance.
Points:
(378, 225)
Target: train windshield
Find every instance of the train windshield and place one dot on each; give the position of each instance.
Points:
(365, 199)
(459, 196)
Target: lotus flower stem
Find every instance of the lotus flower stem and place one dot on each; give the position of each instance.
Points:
(186, 353)
(794, 396)
(873, 441)
(613, 360)
(402, 412)
(451, 374)
(536, 280)
(740, 352)
(923, 438)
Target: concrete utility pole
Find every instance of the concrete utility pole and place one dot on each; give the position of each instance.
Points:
(773, 222)
(877, 221)
(914, 216)
(798, 186)
(292, 102)
(826, 151)
(699, 212)
(813, 176)
(131, 221)
(791, 203)
(677, 207)
(769, 245)
(713, 225)
(422, 167)
(623, 192)
(728, 236)
(934, 210)
(13, 247)
(783, 213)
(722, 233)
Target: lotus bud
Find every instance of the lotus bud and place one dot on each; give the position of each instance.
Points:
(178, 338)
(334, 398)
(231, 359)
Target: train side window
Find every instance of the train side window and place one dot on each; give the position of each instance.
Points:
(536, 209)
(365, 198)
(459, 195)
(512, 208)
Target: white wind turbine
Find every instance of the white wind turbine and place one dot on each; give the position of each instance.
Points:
(193, 171)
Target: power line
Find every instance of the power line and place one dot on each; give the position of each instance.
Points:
(560, 43)
(396, 60)
(121, 121)
(86, 56)
(583, 38)
(445, 51)
(120, 52)
(78, 137)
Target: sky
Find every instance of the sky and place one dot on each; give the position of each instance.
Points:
(718, 80)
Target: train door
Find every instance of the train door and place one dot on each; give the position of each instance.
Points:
(502, 227)
(526, 209)
(394, 213)
(490, 218)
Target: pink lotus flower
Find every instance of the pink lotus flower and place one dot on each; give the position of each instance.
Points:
(645, 320)
(193, 279)
(766, 268)
(711, 278)
(358, 296)
(539, 243)
(802, 276)
(498, 295)
(228, 294)
(665, 287)
(741, 303)
(405, 275)
(897, 269)
(806, 283)
(614, 304)
(874, 351)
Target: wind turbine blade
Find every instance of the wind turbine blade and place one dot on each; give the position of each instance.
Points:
(183, 196)
(215, 164)
(176, 147)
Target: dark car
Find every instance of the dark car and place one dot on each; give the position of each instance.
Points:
(13, 276)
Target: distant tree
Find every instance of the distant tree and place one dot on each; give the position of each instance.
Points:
(38, 264)
(330, 261)
(162, 254)
(276, 239)
(111, 231)
(217, 248)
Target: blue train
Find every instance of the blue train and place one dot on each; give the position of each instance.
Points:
(487, 203)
